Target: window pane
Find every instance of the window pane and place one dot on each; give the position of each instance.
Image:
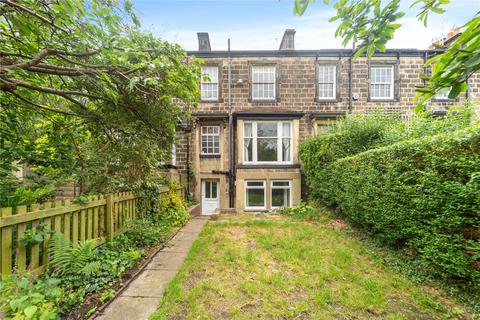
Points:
(247, 131)
(214, 190)
(248, 149)
(280, 197)
(268, 129)
(255, 183)
(267, 149)
(286, 149)
(255, 198)
(207, 190)
(286, 129)
(280, 183)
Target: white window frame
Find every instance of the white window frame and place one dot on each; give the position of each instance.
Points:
(264, 187)
(334, 96)
(203, 81)
(274, 83)
(280, 137)
(209, 135)
(391, 83)
(289, 188)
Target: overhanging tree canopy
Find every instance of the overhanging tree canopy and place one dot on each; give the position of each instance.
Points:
(370, 24)
(89, 61)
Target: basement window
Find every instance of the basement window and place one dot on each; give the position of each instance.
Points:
(381, 82)
(281, 193)
(210, 138)
(326, 82)
(209, 83)
(255, 195)
(267, 142)
(263, 83)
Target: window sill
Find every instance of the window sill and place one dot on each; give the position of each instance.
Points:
(256, 209)
(268, 166)
(263, 101)
(210, 156)
(323, 100)
(383, 100)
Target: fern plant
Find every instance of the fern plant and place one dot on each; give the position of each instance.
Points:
(68, 259)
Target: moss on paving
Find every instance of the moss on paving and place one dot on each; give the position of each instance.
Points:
(271, 267)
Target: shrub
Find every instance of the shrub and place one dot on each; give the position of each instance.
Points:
(142, 233)
(359, 132)
(422, 193)
(300, 211)
(25, 298)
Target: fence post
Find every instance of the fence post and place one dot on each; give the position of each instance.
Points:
(109, 214)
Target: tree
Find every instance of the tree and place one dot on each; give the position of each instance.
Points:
(370, 24)
(113, 93)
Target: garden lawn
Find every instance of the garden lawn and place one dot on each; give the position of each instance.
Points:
(275, 267)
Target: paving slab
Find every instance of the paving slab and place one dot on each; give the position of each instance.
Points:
(167, 261)
(178, 246)
(150, 283)
(130, 308)
(142, 296)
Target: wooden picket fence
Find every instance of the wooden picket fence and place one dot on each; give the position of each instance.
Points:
(100, 218)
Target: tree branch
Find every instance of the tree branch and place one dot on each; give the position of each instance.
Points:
(25, 9)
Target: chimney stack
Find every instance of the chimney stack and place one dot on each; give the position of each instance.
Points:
(288, 40)
(203, 42)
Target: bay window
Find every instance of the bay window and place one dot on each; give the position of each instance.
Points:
(267, 142)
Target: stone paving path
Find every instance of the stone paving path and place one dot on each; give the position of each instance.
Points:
(141, 298)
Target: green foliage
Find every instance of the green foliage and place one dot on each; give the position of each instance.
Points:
(69, 259)
(160, 206)
(24, 298)
(301, 211)
(358, 132)
(370, 24)
(35, 235)
(172, 209)
(143, 233)
(453, 68)
(420, 193)
(86, 95)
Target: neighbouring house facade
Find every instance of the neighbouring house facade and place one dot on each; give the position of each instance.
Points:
(240, 150)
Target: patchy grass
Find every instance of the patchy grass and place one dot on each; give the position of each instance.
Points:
(272, 267)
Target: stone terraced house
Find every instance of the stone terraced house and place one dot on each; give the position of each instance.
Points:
(240, 150)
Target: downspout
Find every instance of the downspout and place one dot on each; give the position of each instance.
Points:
(230, 133)
(350, 71)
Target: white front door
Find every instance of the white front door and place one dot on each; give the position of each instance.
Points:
(210, 198)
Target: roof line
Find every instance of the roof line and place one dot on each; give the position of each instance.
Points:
(308, 53)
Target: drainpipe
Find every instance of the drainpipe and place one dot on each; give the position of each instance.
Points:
(350, 71)
(230, 133)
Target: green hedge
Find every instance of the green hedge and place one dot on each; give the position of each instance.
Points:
(423, 194)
